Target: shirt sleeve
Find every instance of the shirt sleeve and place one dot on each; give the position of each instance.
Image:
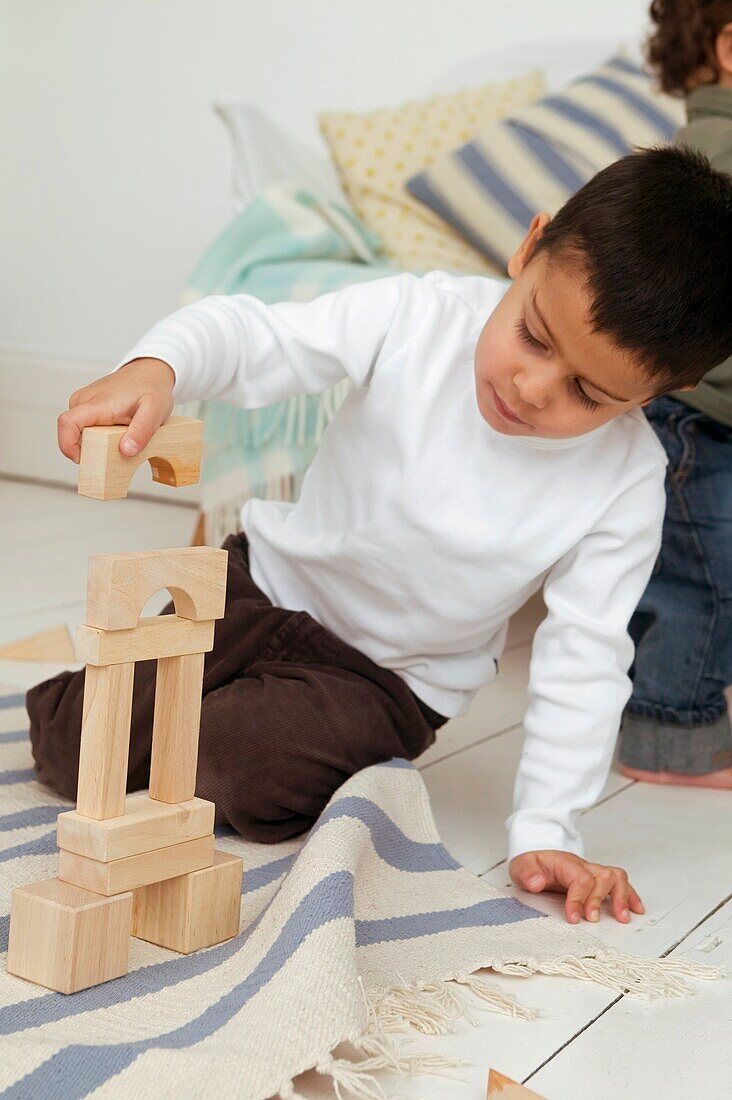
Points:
(578, 682)
(236, 348)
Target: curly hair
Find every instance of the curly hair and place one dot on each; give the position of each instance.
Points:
(684, 39)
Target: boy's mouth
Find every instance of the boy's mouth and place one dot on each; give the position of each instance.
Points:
(504, 411)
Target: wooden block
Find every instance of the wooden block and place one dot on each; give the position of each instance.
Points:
(176, 724)
(192, 911)
(174, 454)
(199, 531)
(500, 1086)
(119, 585)
(66, 938)
(105, 740)
(48, 645)
(131, 872)
(145, 826)
(158, 636)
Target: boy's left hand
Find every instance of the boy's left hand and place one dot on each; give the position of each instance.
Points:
(587, 884)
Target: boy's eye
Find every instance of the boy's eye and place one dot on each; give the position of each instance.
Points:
(585, 397)
(526, 335)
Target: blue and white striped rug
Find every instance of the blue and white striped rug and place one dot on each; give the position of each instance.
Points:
(363, 928)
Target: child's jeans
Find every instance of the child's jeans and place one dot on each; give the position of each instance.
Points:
(676, 719)
(289, 712)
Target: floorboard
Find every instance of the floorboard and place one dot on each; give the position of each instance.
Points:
(674, 1048)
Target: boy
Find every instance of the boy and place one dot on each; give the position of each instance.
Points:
(493, 442)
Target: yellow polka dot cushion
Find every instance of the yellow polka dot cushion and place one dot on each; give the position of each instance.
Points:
(375, 152)
(490, 187)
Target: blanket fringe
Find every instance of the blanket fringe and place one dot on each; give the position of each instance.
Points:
(223, 518)
(633, 975)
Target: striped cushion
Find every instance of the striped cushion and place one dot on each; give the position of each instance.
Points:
(534, 159)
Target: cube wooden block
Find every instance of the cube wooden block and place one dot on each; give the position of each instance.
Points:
(158, 636)
(174, 454)
(131, 872)
(66, 938)
(192, 911)
(145, 826)
(119, 585)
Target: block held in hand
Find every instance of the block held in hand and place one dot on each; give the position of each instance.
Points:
(174, 454)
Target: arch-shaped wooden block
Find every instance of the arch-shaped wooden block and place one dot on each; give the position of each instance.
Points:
(119, 585)
(174, 454)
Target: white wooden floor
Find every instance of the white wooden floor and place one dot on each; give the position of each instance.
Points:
(676, 843)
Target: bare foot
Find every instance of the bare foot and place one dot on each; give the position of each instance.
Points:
(721, 779)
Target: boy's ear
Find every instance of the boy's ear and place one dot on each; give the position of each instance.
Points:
(723, 49)
(523, 253)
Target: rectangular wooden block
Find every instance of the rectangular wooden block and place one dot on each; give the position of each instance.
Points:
(157, 636)
(131, 872)
(174, 453)
(105, 740)
(119, 585)
(193, 911)
(145, 826)
(66, 938)
(176, 723)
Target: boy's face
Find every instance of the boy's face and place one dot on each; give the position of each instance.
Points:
(552, 377)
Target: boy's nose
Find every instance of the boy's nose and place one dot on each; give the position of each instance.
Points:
(534, 388)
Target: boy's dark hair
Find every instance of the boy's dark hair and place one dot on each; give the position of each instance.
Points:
(651, 235)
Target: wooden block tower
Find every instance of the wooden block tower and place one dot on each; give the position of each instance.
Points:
(142, 864)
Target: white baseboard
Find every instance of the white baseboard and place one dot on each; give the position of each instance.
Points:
(33, 391)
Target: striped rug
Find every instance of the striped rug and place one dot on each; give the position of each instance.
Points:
(363, 929)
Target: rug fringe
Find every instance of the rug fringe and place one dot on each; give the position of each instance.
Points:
(433, 1008)
(633, 975)
(357, 1079)
(379, 1049)
(430, 1008)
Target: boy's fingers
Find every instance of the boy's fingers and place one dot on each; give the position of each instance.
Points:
(71, 424)
(601, 888)
(635, 902)
(146, 420)
(531, 876)
(69, 427)
(620, 895)
(577, 891)
(77, 397)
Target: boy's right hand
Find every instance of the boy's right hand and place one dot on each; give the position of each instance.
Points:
(139, 394)
(585, 884)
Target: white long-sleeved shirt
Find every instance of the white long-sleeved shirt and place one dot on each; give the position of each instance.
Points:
(420, 529)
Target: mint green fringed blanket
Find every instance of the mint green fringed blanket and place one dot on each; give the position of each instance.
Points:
(287, 245)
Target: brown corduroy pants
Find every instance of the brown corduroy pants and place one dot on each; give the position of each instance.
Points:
(289, 712)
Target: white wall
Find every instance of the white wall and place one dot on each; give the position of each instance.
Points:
(114, 172)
